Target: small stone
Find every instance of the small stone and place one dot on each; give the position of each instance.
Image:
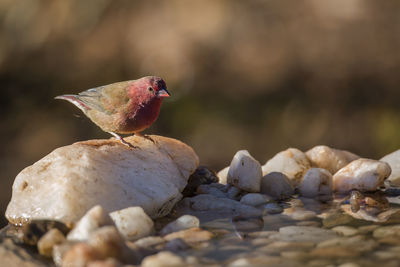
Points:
(95, 218)
(276, 185)
(316, 182)
(133, 223)
(243, 224)
(80, 255)
(223, 206)
(233, 193)
(255, 199)
(349, 264)
(182, 223)
(34, 230)
(387, 231)
(245, 172)
(150, 241)
(110, 262)
(393, 159)
(192, 235)
(109, 243)
(261, 234)
(361, 174)
(334, 252)
(163, 259)
(291, 162)
(273, 208)
(60, 250)
(367, 229)
(385, 255)
(359, 243)
(309, 223)
(345, 230)
(329, 158)
(290, 246)
(209, 189)
(223, 175)
(176, 245)
(300, 214)
(48, 241)
(295, 255)
(303, 234)
(337, 218)
(202, 175)
(256, 261)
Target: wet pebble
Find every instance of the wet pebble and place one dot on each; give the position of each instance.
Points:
(223, 175)
(192, 235)
(309, 223)
(255, 199)
(48, 241)
(276, 185)
(150, 241)
(387, 231)
(182, 223)
(297, 256)
(273, 208)
(245, 172)
(361, 174)
(80, 255)
(163, 259)
(359, 243)
(176, 245)
(303, 234)
(95, 218)
(211, 189)
(345, 230)
(330, 159)
(393, 159)
(202, 175)
(334, 252)
(256, 261)
(233, 193)
(316, 183)
(291, 162)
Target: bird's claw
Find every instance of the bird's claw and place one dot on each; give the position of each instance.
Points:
(122, 140)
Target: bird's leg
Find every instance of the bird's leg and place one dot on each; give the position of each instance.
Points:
(146, 137)
(122, 140)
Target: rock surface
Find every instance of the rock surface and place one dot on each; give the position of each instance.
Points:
(361, 174)
(245, 172)
(329, 158)
(72, 179)
(291, 162)
(276, 185)
(316, 182)
(393, 159)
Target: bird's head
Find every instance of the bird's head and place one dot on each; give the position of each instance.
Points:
(148, 88)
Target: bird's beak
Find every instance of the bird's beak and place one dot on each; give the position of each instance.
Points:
(163, 93)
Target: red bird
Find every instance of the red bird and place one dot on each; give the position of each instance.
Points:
(124, 107)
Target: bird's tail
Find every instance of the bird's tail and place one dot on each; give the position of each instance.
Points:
(74, 99)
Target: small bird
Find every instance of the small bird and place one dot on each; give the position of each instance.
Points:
(123, 107)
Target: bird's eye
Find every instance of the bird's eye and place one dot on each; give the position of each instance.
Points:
(150, 89)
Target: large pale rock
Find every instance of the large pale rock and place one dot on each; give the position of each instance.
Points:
(393, 159)
(245, 172)
(72, 179)
(291, 162)
(329, 158)
(361, 174)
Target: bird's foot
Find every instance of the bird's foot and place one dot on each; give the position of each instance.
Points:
(146, 137)
(122, 140)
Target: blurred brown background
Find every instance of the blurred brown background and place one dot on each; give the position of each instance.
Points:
(256, 75)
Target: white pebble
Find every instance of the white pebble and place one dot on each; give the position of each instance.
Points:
(245, 172)
(182, 223)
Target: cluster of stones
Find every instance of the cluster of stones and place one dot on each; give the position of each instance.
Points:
(316, 208)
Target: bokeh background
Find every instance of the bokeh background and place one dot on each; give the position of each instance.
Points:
(256, 75)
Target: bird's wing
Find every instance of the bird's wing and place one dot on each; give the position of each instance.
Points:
(108, 99)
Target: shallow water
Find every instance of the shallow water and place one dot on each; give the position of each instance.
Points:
(318, 238)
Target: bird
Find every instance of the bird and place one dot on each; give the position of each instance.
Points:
(127, 107)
